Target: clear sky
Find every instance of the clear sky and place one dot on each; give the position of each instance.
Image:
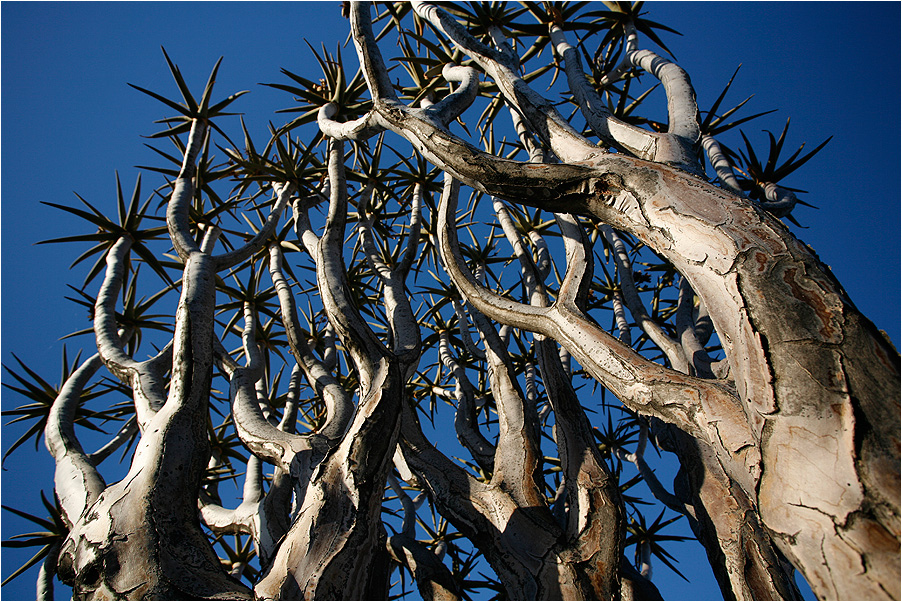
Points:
(69, 121)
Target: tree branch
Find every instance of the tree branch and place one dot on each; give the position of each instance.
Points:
(721, 164)
(637, 308)
(358, 129)
(637, 458)
(454, 104)
(413, 233)
(177, 211)
(78, 483)
(233, 258)
(608, 128)
(364, 347)
(255, 431)
(677, 147)
(639, 383)
(544, 119)
(463, 325)
(695, 354)
(339, 407)
(145, 378)
(465, 422)
(125, 433)
(434, 580)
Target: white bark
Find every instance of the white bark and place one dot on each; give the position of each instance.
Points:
(77, 481)
(612, 131)
(566, 143)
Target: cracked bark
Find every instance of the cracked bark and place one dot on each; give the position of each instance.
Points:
(816, 383)
(335, 548)
(141, 538)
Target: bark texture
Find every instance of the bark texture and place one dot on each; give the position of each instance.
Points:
(789, 446)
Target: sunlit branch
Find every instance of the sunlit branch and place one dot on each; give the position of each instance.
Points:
(630, 45)
(535, 151)
(531, 281)
(677, 147)
(263, 401)
(547, 184)
(454, 104)
(44, 584)
(339, 407)
(256, 432)
(251, 516)
(288, 422)
(211, 235)
(78, 483)
(177, 212)
(359, 129)
(608, 128)
(105, 326)
(517, 463)
(413, 233)
(524, 132)
(145, 378)
(365, 230)
(228, 260)
(544, 119)
(374, 71)
(404, 330)
(516, 314)
(365, 349)
(543, 257)
(682, 108)
(721, 164)
(577, 279)
(330, 353)
(591, 492)
(303, 228)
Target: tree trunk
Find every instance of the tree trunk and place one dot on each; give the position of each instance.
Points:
(141, 538)
(816, 384)
(335, 549)
(533, 556)
(742, 555)
(819, 385)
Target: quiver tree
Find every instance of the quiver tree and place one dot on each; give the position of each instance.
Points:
(744, 357)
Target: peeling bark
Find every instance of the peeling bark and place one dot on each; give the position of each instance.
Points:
(792, 459)
(793, 349)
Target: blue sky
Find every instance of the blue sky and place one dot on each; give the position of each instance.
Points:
(69, 121)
